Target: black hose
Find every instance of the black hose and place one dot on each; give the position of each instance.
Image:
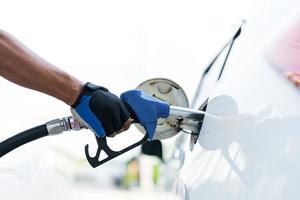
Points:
(22, 138)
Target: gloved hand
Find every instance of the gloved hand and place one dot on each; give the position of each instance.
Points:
(101, 111)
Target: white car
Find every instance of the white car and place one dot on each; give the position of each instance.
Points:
(253, 152)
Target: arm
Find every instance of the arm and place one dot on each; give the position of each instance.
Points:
(21, 66)
(97, 108)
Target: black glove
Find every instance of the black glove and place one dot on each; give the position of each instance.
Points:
(99, 110)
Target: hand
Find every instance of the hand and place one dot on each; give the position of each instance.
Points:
(294, 77)
(101, 111)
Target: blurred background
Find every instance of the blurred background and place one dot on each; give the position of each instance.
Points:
(116, 44)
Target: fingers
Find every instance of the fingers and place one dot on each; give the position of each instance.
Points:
(123, 117)
(112, 135)
(294, 77)
(127, 124)
(125, 127)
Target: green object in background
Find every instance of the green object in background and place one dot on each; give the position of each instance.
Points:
(155, 175)
(132, 175)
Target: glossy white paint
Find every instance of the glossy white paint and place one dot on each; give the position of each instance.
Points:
(253, 153)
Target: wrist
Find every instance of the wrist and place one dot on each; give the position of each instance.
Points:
(74, 93)
(86, 89)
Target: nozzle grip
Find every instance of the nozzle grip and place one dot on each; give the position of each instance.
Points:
(147, 109)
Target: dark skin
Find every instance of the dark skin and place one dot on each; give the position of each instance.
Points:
(20, 65)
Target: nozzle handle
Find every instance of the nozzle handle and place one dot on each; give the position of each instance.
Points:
(145, 110)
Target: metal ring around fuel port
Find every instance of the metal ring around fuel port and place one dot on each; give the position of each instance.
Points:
(171, 92)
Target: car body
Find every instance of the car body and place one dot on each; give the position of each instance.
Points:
(253, 153)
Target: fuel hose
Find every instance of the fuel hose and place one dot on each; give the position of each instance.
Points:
(53, 127)
(22, 138)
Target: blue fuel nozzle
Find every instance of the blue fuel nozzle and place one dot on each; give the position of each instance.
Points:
(146, 108)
